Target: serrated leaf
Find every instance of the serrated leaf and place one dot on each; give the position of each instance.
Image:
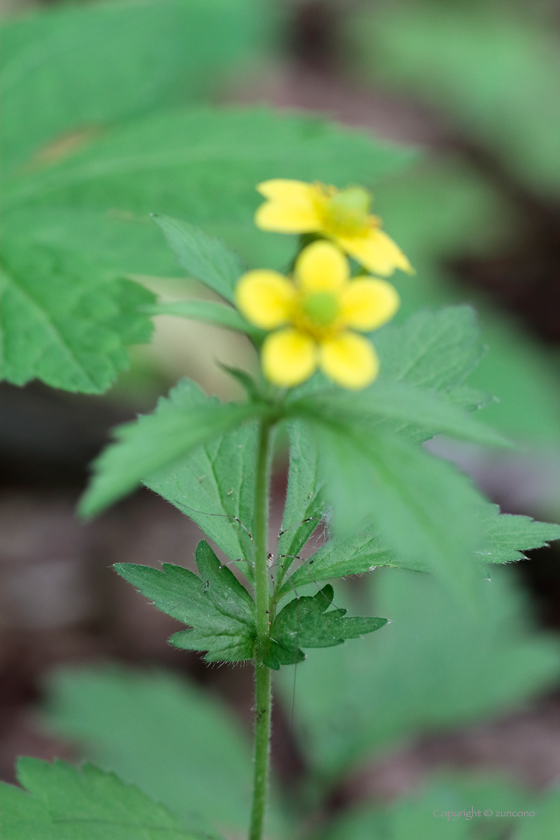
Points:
(155, 441)
(204, 257)
(305, 504)
(179, 743)
(508, 536)
(504, 539)
(215, 484)
(304, 621)
(166, 164)
(67, 803)
(63, 78)
(206, 310)
(422, 507)
(215, 605)
(434, 350)
(66, 320)
(402, 409)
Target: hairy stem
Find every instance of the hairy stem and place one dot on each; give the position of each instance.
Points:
(263, 700)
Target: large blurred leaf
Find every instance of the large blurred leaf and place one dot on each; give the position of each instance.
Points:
(493, 71)
(434, 666)
(454, 808)
(156, 441)
(64, 319)
(218, 609)
(71, 72)
(177, 743)
(87, 804)
(203, 164)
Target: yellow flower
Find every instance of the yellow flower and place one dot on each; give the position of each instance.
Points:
(340, 215)
(314, 317)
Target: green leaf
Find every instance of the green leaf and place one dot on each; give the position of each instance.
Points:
(433, 350)
(402, 409)
(422, 507)
(180, 744)
(81, 804)
(504, 539)
(304, 621)
(206, 310)
(66, 320)
(215, 605)
(156, 441)
(204, 257)
(166, 163)
(305, 504)
(215, 484)
(64, 80)
(435, 666)
(507, 536)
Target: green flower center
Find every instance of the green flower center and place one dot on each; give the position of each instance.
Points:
(348, 210)
(321, 308)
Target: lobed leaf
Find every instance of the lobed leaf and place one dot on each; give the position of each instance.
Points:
(217, 607)
(304, 621)
(81, 804)
(156, 441)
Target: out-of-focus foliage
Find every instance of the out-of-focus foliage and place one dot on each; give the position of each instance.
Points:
(442, 210)
(182, 749)
(70, 73)
(175, 742)
(70, 804)
(445, 810)
(490, 70)
(414, 675)
(493, 69)
(103, 125)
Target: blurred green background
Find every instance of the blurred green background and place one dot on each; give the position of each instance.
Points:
(439, 712)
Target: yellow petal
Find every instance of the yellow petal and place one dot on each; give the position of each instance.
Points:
(265, 298)
(283, 189)
(287, 217)
(376, 251)
(367, 304)
(349, 360)
(289, 357)
(321, 268)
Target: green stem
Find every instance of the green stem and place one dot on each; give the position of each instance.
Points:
(263, 699)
